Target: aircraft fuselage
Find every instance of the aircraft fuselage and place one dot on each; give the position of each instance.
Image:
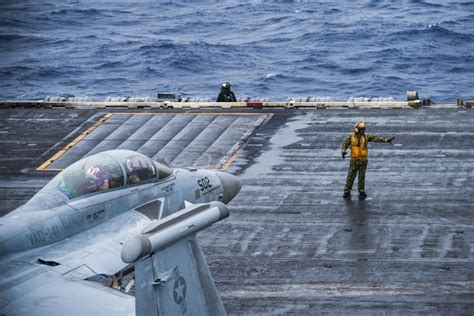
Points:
(28, 227)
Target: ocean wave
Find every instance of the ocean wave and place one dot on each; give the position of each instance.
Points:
(465, 19)
(11, 37)
(5, 38)
(462, 70)
(330, 11)
(161, 45)
(15, 69)
(357, 70)
(269, 49)
(273, 77)
(36, 74)
(439, 30)
(109, 65)
(433, 31)
(465, 4)
(88, 12)
(10, 22)
(428, 4)
(275, 20)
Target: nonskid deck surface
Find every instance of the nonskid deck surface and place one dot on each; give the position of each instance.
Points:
(292, 244)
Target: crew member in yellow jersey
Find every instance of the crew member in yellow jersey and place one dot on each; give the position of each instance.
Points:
(358, 143)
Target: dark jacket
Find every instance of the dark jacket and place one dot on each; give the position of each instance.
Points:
(225, 96)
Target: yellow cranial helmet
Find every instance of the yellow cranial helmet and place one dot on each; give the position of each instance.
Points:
(360, 126)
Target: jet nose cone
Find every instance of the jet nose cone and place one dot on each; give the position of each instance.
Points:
(231, 185)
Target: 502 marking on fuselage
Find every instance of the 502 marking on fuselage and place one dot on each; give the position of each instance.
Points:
(205, 184)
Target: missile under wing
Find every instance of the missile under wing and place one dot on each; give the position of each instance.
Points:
(104, 214)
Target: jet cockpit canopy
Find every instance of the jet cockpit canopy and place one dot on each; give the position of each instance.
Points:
(105, 171)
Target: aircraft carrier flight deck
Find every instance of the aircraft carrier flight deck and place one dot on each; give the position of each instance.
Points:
(292, 244)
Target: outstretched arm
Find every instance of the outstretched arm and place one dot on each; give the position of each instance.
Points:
(379, 139)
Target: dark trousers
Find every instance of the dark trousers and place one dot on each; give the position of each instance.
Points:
(356, 166)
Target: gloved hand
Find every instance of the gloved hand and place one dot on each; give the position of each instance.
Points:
(390, 140)
(344, 155)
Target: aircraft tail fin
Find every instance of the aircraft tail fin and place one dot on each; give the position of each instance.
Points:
(171, 273)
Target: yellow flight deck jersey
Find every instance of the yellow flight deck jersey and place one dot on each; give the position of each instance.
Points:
(358, 145)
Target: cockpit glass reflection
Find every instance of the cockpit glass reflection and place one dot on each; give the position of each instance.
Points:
(138, 167)
(93, 174)
(105, 171)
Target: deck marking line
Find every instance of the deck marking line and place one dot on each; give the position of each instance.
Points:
(73, 143)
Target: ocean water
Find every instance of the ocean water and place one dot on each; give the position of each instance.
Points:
(274, 49)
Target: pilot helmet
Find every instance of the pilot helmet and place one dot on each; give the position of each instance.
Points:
(226, 85)
(129, 164)
(136, 163)
(360, 127)
(93, 173)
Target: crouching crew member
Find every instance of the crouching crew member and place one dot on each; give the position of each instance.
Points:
(358, 143)
(226, 94)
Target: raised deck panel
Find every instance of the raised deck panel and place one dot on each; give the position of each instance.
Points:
(180, 140)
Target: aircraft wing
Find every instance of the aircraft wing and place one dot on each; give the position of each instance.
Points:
(171, 273)
(53, 294)
(172, 276)
(52, 280)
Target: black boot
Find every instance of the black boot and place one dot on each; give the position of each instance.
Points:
(347, 195)
(362, 195)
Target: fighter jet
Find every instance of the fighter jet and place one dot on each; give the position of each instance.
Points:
(101, 215)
